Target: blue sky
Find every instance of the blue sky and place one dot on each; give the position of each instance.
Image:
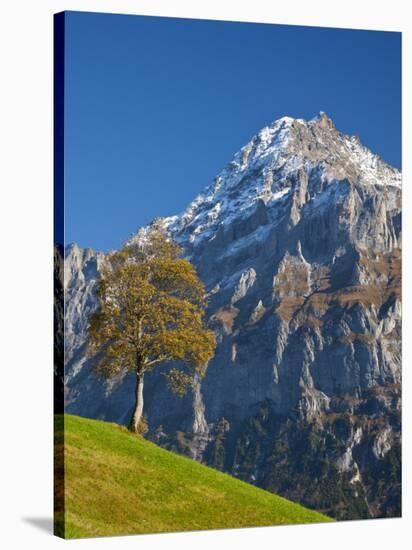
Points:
(155, 107)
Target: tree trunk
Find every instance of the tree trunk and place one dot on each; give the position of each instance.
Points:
(138, 407)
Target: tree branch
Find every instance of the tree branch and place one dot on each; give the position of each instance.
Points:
(161, 359)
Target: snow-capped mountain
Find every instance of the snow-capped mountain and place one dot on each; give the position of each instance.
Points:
(263, 169)
(298, 242)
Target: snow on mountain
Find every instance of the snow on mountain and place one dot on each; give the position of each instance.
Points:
(263, 170)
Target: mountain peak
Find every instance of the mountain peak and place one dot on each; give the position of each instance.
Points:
(323, 120)
(263, 171)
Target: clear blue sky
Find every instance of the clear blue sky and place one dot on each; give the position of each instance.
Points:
(155, 107)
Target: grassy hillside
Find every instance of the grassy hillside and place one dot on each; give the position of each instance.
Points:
(117, 483)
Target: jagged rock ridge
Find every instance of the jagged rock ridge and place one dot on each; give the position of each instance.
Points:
(298, 241)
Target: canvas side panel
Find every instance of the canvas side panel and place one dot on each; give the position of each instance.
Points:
(59, 69)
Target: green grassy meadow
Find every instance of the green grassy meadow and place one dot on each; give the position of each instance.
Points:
(117, 483)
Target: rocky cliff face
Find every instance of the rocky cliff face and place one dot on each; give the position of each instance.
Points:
(298, 242)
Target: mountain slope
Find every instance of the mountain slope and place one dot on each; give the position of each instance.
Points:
(298, 241)
(117, 483)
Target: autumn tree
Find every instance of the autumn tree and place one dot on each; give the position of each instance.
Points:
(151, 312)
